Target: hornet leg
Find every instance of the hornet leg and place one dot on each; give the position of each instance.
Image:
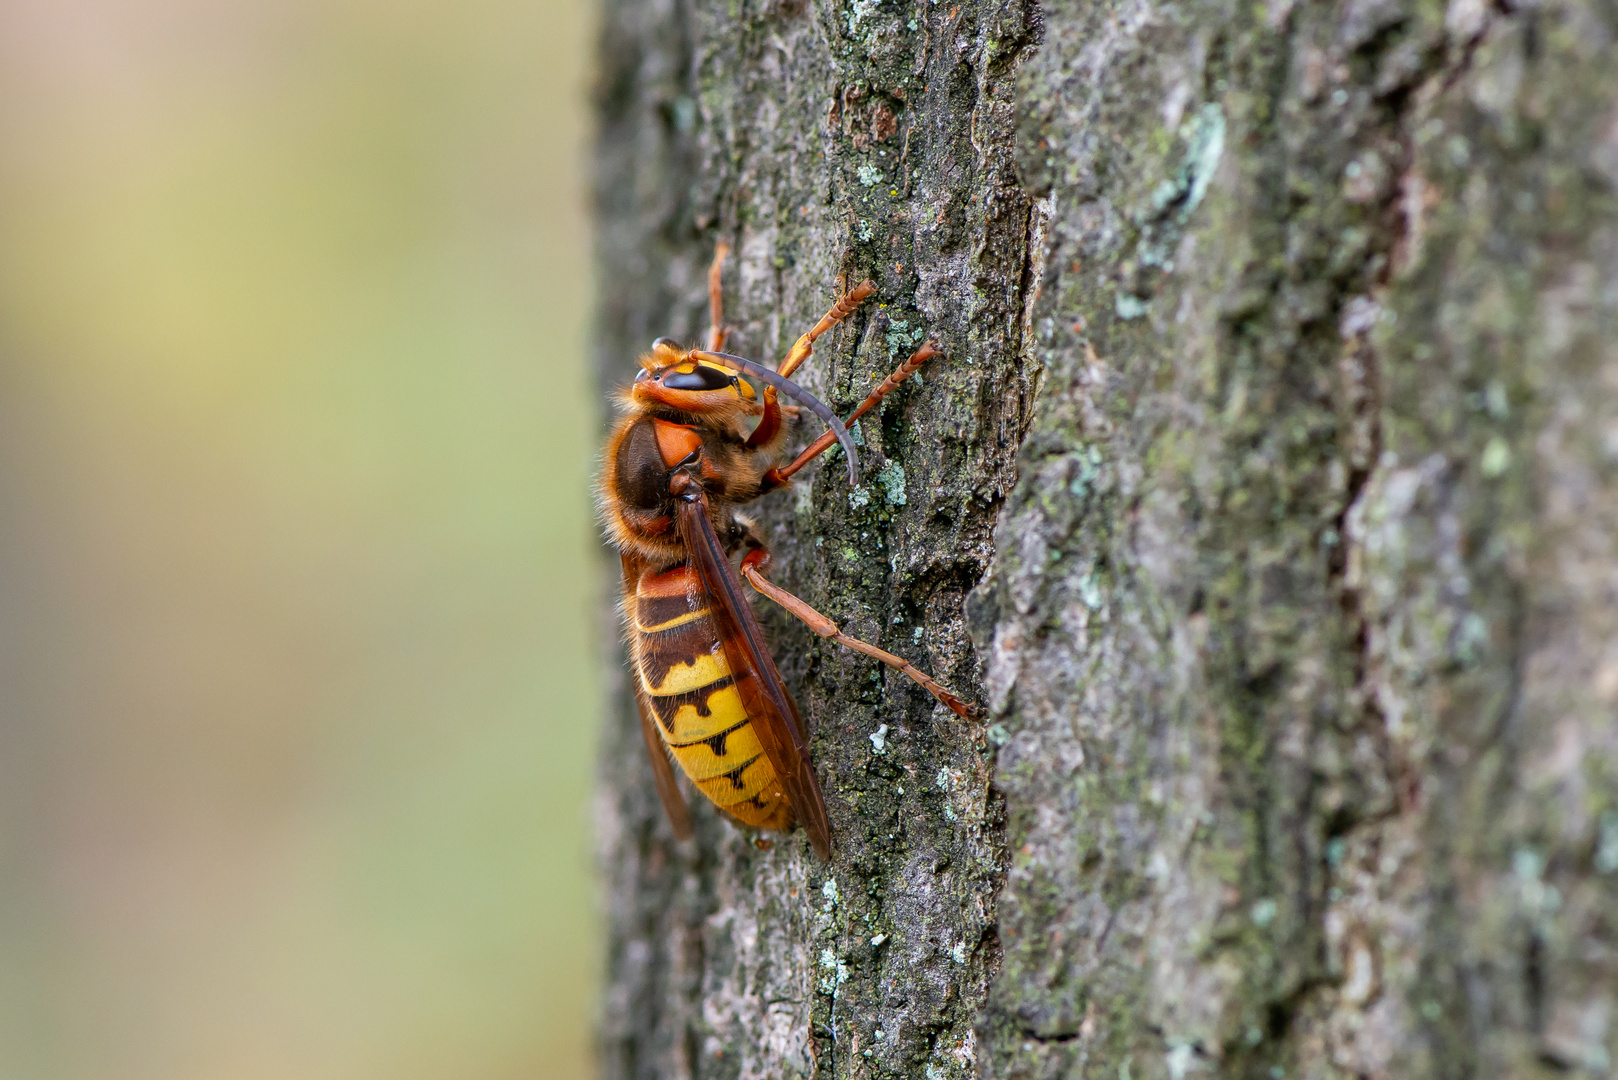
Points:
(770, 424)
(777, 477)
(716, 300)
(839, 311)
(828, 629)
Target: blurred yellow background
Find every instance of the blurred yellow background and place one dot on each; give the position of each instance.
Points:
(297, 676)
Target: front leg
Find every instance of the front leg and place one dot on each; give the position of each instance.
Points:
(776, 477)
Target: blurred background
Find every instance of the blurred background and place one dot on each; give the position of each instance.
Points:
(297, 639)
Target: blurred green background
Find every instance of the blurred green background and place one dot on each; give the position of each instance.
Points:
(297, 674)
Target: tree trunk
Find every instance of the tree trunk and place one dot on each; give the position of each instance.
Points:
(1268, 480)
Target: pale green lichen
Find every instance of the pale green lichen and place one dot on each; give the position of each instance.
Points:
(1129, 307)
(1606, 860)
(892, 478)
(1496, 458)
(1205, 146)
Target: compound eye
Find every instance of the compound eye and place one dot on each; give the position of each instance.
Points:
(642, 375)
(666, 343)
(702, 377)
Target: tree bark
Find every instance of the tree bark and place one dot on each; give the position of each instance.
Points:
(1268, 482)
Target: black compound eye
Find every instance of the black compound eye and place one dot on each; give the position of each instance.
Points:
(702, 378)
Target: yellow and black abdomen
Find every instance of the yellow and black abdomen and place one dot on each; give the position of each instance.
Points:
(680, 661)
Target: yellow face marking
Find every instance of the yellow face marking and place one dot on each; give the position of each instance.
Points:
(740, 387)
(725, 711)
(701, 763)
(708, 668)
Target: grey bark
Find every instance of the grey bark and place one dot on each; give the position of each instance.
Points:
(1267, 495)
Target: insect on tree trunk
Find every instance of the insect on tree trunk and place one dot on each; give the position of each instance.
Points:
(1265, 492)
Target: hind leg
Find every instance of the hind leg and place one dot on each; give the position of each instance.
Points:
(823, 626)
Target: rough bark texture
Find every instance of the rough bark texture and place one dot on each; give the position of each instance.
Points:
(1280, 409)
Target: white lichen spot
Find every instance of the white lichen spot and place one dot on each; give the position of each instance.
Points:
(879, 939)
(863, 230)
(1129, 307)
(837, 972)
(829, 891)
(1496, 458)
(1179, 1061)
(1205, 146)
(1537, 895)
(892, 478)
(859, 11)
(869, 174)
(1496, 401)
(1263, 913)
(1089, 592)
(879, 739)
(1360, 981)
(901, 337)
(859, 498)
(958, 953)
(1471, 635)
(1606, 860)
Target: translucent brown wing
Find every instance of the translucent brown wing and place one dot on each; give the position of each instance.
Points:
(662, 771)
(773, 712)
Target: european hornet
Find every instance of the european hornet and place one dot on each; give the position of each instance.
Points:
(698, 440)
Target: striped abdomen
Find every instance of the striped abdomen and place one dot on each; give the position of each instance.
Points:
(680, 661)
